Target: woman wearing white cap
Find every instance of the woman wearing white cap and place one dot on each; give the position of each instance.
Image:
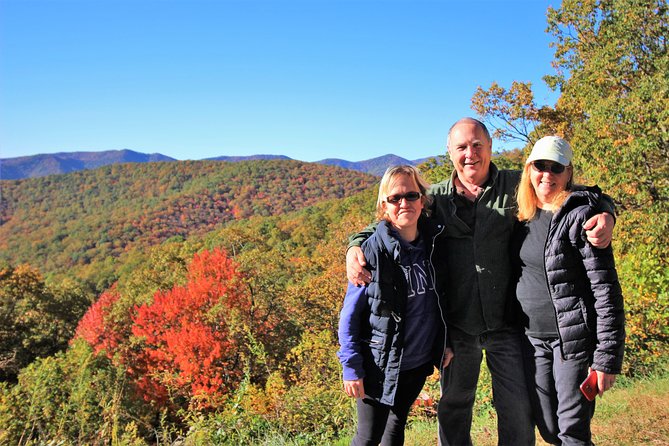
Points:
(571, 300)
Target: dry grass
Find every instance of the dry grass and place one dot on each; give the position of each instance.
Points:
(634, 415)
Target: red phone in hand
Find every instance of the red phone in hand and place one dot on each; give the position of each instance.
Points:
(589, 386)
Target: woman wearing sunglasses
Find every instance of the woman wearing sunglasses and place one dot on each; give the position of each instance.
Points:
(392, 331)
(569, 293)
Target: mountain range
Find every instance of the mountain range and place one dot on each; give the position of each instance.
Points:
(66, 162)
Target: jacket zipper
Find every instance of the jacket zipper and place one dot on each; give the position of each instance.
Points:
(548, 287)
(436, 292)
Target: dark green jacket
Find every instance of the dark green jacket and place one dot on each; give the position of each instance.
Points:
(478, 258)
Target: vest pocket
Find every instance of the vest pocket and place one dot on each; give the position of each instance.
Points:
(378, 349)
(584, 312)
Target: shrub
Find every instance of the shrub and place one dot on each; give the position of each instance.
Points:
(74, 397)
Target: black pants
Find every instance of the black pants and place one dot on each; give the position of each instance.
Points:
(504, 358)
(561, 411)
(380, 423)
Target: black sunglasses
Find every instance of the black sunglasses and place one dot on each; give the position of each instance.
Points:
(409, 196)
(542, 166)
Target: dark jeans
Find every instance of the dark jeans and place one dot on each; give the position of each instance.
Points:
(380, 423)
(510, 398)
(561, 411)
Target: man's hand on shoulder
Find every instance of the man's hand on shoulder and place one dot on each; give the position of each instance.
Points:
(355, 271)
(599, 230)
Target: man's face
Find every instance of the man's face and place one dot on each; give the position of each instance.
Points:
(470, 151)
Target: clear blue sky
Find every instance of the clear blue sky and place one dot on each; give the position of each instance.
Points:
(309, 79)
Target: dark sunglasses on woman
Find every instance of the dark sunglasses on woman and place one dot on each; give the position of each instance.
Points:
(409, 196)
(543, 166)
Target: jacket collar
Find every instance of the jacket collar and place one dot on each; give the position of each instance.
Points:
(427, 227)
(580, 195)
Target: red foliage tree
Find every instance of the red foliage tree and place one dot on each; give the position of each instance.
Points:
(97, 327)
(186, 346)
(192, 337)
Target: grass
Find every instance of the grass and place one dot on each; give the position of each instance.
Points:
(638, 415)
(632, 414)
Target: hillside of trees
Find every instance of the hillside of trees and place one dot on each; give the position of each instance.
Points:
(83, 223)
(242, 313)
(214, 321)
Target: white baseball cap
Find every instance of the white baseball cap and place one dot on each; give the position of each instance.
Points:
(551, 148)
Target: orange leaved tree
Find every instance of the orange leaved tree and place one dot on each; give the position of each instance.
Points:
(186, 346)
(192, 337)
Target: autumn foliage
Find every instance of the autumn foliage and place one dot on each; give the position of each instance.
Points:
(96, 326)
(87, 224)
(186, 346)
(36, 318)
(241, 349)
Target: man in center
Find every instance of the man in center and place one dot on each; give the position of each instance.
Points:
(478, 206)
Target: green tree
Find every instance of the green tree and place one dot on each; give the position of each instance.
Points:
(36, 320)
(612, 64)
(512, 114)
(437, 169)
(509, 159)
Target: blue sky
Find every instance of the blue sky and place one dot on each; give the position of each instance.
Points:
(314, 79)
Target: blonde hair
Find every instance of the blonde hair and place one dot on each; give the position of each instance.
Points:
(526, 196)
(386, 183)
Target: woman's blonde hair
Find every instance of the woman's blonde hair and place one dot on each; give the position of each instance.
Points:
(386, 183)
(526, 196)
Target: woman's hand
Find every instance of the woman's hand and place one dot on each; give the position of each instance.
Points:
(604, 381)
(355, 388)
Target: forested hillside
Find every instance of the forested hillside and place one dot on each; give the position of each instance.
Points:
(243, 314)
(83, 222)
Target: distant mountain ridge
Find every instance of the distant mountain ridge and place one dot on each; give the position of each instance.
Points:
(66, 162)
(375, 166)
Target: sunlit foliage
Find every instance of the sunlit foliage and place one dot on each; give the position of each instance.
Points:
(87, 223)
(36, 319)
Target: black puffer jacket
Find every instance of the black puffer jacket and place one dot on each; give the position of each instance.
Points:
(583, 284)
